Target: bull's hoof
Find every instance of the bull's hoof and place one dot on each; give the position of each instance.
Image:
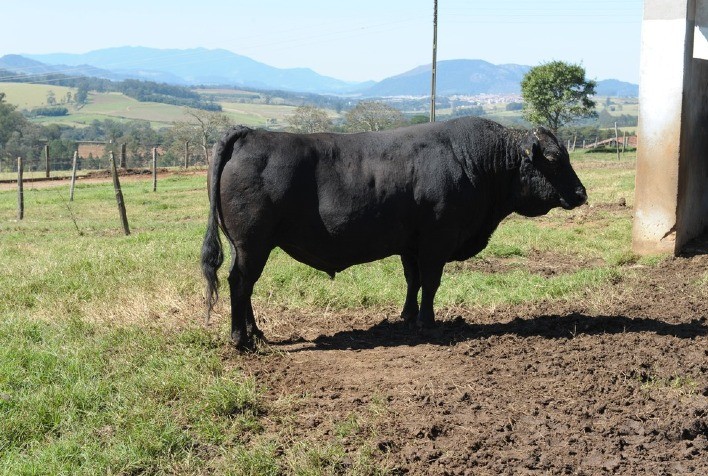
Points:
(258, 334)
(423, 325)
(409, 320)
(243, 343)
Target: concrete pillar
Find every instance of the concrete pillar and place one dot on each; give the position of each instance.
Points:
(671, 205)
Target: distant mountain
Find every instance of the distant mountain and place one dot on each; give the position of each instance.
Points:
(199, 66)
(467, 77)
(616, 88)
(22, 64)
(472, 77)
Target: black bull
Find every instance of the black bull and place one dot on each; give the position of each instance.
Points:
(431, 193)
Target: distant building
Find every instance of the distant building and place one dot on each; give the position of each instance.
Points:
(93, 149)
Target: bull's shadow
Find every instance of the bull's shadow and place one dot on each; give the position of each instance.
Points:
(397, 333)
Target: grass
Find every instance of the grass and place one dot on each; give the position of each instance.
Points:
(30, 96)
(85, 399)
(106, 368)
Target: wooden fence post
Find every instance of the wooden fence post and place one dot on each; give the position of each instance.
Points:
(617, 144)
(46, 160)
(20, 193)
(123, 159)
(73, 175)
(575, 138)
(154, 169)
(186, 154)
(119, 196)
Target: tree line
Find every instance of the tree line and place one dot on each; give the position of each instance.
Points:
(137, 89)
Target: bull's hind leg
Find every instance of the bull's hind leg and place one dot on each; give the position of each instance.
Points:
(251, 326)
(246, 267)
(412, 274)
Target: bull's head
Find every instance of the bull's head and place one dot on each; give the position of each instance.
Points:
(546, 177)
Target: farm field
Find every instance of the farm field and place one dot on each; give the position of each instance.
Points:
(28, 96)
(122, 108)
(558, 350)
(119, 107)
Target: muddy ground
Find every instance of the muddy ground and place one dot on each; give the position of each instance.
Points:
(615, 383)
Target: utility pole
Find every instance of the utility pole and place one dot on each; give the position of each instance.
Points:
(435, 60)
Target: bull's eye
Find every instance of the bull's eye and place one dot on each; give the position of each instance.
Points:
(553, 156)
(552, 163)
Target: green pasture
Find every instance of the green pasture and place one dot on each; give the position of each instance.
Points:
(106, 367)
(257, 115)
(118, 107)
(29, 96)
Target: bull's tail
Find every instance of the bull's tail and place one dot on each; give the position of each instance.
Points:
(212, 251)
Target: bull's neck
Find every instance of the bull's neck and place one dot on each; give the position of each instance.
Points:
(499, 167)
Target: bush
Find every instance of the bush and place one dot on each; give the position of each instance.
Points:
(49, 111)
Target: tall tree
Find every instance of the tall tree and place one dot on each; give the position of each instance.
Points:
(309, 119)
(11, 123)
(556, 94)
(373, 116)
(201, 128)
(81, 96)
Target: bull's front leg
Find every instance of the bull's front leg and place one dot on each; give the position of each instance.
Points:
(251, 323)
(412, 274)
(430, 276)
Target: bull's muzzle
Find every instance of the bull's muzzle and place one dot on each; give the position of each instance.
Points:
(579, 197)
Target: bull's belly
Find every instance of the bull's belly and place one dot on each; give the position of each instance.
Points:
(333, 255)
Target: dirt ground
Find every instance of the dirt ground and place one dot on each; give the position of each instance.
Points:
(615, 383)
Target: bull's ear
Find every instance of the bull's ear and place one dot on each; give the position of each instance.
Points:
(531, 148)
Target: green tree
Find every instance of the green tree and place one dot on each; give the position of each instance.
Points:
(309, 119)
(556, 94)
(81, 96)
(140, 138)
(419, 119)
(11, 123)
(373, 116)
(200, 129)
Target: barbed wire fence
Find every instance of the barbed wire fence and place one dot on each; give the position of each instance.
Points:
(36, 164)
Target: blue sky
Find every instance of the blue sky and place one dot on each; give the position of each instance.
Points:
(353, 40)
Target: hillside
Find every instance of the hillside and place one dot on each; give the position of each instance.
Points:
(615, 88)
(201, 66)
(453, 77)
(197, 66)
(119, 107)
(26, 65)
(29, 96)
(472, 77)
